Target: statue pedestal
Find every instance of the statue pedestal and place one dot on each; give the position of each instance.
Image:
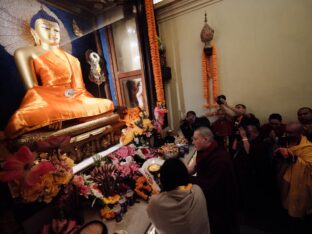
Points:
(86, 138)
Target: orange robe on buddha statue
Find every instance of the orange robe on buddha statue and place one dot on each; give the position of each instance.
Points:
(62, 96)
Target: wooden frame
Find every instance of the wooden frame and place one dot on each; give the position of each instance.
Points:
(106, 88)
(121, 77)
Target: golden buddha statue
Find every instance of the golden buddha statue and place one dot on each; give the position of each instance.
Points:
(61, 94)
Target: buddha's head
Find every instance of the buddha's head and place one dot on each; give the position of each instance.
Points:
(45, 29)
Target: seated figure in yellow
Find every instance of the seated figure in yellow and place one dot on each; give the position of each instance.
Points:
(62, 94)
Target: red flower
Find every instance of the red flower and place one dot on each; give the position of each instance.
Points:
(21, 166)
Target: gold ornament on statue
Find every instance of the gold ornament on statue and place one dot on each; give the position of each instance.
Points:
(98, 72)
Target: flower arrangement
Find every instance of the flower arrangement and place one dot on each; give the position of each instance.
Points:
(138, 131)
(143, 188)
(115, 175)
(33, 179)
(159, 114)
(116, 180)
(145, 153)
(86, 186)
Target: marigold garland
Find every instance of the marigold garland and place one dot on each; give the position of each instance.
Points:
(209, 71)
(152, 36)
(205, 77)
(214, 74)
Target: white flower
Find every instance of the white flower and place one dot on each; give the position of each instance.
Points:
(129, 159)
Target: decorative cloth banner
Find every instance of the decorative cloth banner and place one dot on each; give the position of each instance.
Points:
(152, 36)
(209, 71)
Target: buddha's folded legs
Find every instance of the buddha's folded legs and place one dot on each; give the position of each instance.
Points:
(43, 106)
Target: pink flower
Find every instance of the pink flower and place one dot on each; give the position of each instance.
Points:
(128, 169)
(84, 190)
(78, 180)
(159, 114)
(125, 151)
(146, 153)
(21, 166)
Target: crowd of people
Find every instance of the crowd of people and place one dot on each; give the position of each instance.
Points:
(241, 167)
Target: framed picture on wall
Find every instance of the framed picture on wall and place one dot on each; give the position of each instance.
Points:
(133, 92)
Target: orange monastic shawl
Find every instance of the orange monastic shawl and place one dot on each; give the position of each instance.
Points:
(47, 104)
(297, 181)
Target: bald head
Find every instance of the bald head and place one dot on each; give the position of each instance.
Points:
(202, 138)
(294, 131)
(294, 127)
(205, 132)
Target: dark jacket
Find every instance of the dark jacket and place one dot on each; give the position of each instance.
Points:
(216, 177)
(255, 176)
(188, 129)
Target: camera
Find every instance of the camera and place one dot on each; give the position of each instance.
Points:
(283, 141)
(218, 99)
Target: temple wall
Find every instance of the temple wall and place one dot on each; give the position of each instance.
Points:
(264, 51)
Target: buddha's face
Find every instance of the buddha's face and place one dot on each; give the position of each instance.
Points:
(46, 32)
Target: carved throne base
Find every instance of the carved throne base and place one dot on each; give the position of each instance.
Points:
(86, 139)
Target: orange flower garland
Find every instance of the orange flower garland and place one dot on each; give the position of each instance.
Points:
(209, 71)
(152, 36)
(205, 78)
(214, 74)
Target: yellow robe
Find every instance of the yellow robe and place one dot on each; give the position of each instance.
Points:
(297, 181)
(46, 104)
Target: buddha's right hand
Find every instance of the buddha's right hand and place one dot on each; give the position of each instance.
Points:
(69, 92)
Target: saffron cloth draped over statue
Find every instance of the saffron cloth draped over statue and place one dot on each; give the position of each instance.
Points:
(61, 96)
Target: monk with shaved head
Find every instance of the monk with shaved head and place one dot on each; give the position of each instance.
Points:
(296, 186)
(305, 118)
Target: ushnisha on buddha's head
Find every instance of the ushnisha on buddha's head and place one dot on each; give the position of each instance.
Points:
(45, 29)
